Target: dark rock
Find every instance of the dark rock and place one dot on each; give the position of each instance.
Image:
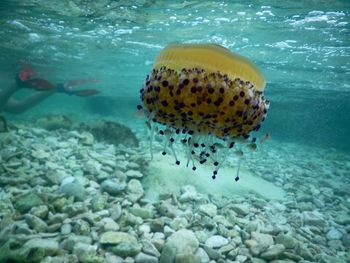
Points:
(112, 133)
(26, 202)
(113, 188)
(54, 122)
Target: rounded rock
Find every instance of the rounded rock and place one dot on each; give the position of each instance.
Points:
(216, 241)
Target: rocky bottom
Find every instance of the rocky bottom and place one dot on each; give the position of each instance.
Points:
(65, 197)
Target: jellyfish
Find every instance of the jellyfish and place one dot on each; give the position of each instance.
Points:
(205, 98)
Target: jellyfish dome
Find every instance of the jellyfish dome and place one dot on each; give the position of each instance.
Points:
(206, 98)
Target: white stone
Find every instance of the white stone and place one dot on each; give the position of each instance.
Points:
(183, 240)
(241, 209)
(334, 234)
(216, 241)
(188, 193)
(109, 224)
(84, 251)
(208, 209)
(68, 180)
(265, 240)
(133, 174)
(202, 255)
(40, 154)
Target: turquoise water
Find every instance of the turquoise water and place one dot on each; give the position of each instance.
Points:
(302, 48)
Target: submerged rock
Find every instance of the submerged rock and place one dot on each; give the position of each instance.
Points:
(26, 202)
(74, 189)
(50, 247)
(114, 238)
(264, 240)
(208, 209)
(342, 219)
(314, 218)
(333, 234)
(36, 223)
(286, 240)
(184, 241)
(85, 252)
(273, 252)
(127, 249)
(113, 188)
(54, 122)
(112, 133)
(72, 240)
(135, 190)
(216, 241)
(144, 258)
(202, 255)
(149, 248)
(40, 211)
(241, 209)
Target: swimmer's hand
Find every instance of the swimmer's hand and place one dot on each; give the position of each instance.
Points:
(67, 89)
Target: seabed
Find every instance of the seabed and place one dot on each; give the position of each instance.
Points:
(66, 197)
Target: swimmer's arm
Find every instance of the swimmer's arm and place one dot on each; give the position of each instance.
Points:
(5, 95)
(17, 107)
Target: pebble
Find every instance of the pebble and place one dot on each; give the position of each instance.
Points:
(135, 190)
(286, 240)
(334, 234)
(72, 240)
(40, 154)
(202, 255)
(184, 241)
(111, 258)
(74, 209)
(81, 227)
(216, 241)
(241, 209)
(208, 209)
(40, 211)
(133, 174)
(150, 249)
(98, 202)
(188, 193)
(314, 218)
(49, 246)
(144, 213)
(273, 252)
(90, 197)
(157, 225)
(346, 241)
(342, 218)
(85, 252)
(144, 258)
(264, 240)
(36, 223)
(113, 188)
(114, 238)
(66, 229)
(127, 249)
(109, 224)
(74, 189)
(179, 223)
(27, 202)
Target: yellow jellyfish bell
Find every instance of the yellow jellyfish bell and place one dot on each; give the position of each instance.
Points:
(212, 58)
(203, 95)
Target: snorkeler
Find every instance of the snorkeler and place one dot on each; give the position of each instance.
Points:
(26, 79)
